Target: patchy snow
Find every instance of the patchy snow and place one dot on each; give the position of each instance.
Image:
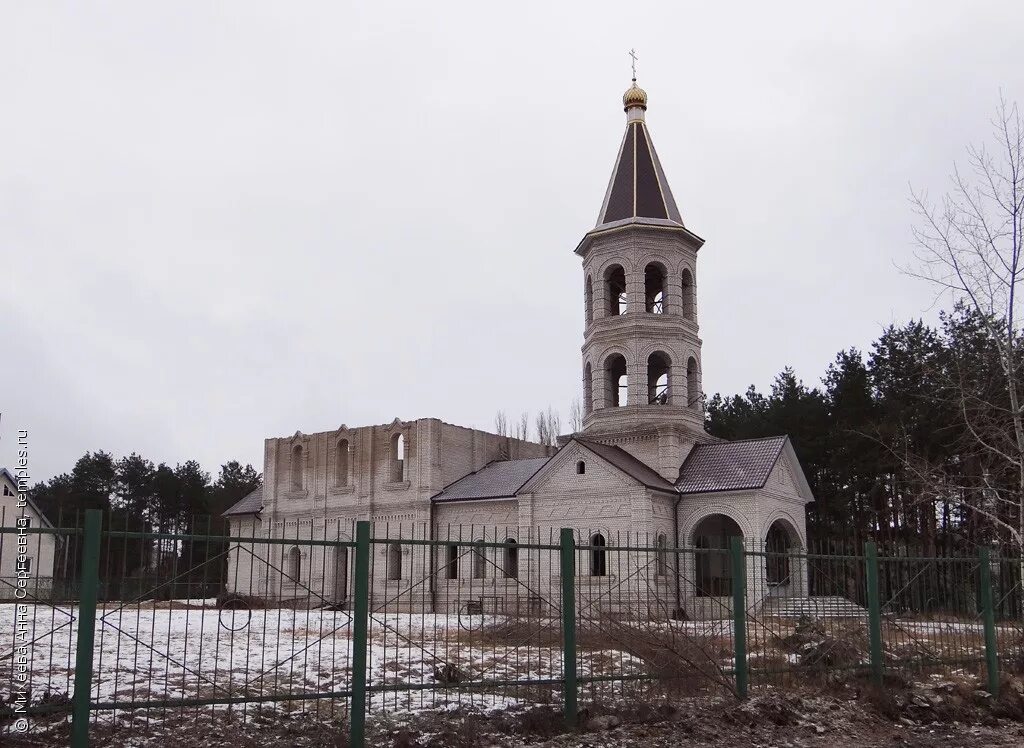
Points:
(154, 652)
(191, 650)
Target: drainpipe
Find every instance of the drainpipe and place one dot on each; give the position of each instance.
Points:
(679, 574)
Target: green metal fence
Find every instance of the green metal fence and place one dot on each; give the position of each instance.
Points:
(341, 620)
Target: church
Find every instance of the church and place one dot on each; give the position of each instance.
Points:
(642, 468)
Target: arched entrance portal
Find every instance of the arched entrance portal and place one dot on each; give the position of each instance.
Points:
(780, 543)
(711, 538)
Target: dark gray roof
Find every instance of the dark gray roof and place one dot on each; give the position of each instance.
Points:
(729, 466)
(628, 464)
(494, 480)
(251, 504)
(638, 188)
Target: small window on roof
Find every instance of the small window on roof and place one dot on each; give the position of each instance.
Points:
(581, 467)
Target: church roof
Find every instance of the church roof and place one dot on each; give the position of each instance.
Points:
(638, 189)
(252, 503)
(495, 480)
(628, 464)
(730, 466)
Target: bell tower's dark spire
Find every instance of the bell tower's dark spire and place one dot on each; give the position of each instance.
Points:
(638, 189)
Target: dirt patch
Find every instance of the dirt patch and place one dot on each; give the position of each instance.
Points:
(946, 712)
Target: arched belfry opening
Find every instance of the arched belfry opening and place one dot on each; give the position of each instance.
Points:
(616, 392)
(659, 366)
(688, 295)
(615, 290)
(588, 390)
(655, 281)
(589, 294)
(693, 395)
(712, 538)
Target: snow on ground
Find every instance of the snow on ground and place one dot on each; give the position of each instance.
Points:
(188, 649)
(186, 652)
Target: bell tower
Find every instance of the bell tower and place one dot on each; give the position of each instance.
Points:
(641, 347)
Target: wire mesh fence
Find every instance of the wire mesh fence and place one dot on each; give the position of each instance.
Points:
(119, 627)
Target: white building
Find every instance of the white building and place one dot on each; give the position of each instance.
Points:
(642, 468)
(38, 551)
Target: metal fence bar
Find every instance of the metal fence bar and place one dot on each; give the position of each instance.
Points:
(568, 570)
(357, 733)
(739, 614)
(874, 612)
(86, 629)
(989, 621)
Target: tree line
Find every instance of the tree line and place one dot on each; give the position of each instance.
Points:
(138, 496)
(885, 441)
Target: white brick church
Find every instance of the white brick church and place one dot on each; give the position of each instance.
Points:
(641, 468)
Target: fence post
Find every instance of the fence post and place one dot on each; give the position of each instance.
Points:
(567, 551)
(739, 614)
(874, 612)
(360, 621)
(989, 619)
(86, 628)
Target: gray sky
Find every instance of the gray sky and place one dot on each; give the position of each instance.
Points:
(222, 222)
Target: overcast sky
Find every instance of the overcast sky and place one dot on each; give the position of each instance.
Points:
(221, 222)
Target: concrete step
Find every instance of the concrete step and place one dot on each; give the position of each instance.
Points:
(816, 607)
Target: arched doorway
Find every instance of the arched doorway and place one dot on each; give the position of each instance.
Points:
(779, 543)
(711, 538)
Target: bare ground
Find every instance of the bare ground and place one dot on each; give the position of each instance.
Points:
(952, 713)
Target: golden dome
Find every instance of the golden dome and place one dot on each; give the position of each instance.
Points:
(634, 96)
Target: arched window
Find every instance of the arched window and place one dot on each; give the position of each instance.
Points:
(511, 566)
(452, 562)
(692, 384)
(588, 390)
(294, 565)
(598, 561)
(394, 561)
(655, 278)
(777, 549)
(589, 293)
(711, 539)
(581, 467)
(615, 290)
(688, 301)
(659, 365)
(296, 467)
(341, 463)
(616, 382)
(662, 558)
(398, 458)
(479, 561)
